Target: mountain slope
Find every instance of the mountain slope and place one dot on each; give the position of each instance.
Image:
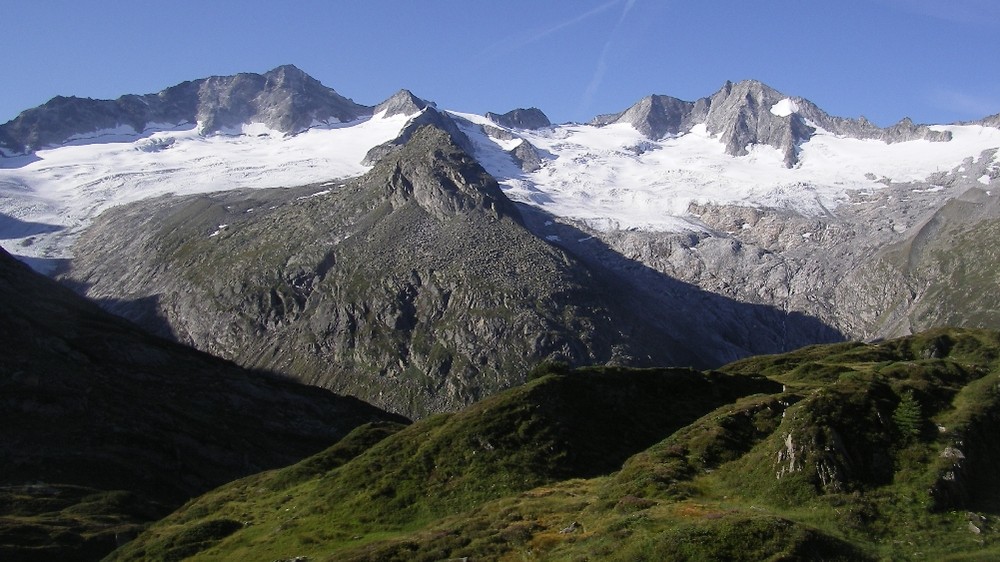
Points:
(417, 287)
(558, 426)
(418, 273)
(107, 428)
(817, 461)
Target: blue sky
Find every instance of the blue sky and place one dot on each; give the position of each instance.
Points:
(931, 60)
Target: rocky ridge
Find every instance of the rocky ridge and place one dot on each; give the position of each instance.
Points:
(749, 113)
(284, 99)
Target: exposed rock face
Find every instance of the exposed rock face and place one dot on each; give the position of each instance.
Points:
(415, 286)
(991, 121)
(526, 156)
(402, 102)
(891, 262)
(429, 116)
(751, 113)
(654, 116)
(285, 99)
(531, 118)
(94, 409)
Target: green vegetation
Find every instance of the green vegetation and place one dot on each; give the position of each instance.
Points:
(844, 452)
(908, 417)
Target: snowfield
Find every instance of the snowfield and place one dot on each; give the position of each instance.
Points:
(48, 198)
(612, 177)
(608, 177)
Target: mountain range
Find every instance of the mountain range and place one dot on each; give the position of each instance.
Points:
(427, 261)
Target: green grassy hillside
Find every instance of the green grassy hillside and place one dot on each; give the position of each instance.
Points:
(848, 451)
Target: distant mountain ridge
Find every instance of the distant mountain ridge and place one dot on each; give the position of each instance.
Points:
(288, 100)
(750, 113)
(285, 99)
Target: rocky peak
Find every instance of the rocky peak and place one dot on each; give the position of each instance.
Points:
(435, 172)
(428, 117)
(659, 116)
(530, 118)
(285, 99)
(750, 113)
(289, 76)
(402, 102)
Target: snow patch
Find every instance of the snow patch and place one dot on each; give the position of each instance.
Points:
(785, 107)
(317, 194)
(984, 179)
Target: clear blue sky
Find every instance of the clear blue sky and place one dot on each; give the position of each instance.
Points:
(932, 60)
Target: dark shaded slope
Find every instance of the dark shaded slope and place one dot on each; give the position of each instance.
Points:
(106, 428)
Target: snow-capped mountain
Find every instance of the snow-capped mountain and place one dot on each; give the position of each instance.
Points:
(69, 159)
(284, 99)
(645, 167)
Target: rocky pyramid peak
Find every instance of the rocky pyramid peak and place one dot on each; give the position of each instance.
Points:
(747, 113)
(433, 170)
(654, 116)
(750, 113)
(428, 117)
(530, 118)
(285, 99)
(288, 74)
(402, 102)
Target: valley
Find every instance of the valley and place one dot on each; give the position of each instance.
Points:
(267, 322)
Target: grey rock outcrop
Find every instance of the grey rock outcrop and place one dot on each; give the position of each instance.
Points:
(530, 118)
(526, 156)
(402, 102)
(991, 121)
(285, 99)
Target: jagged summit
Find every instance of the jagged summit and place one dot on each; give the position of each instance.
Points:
(402, 102)
(749, 113)
(285, 99)
(530, 118)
